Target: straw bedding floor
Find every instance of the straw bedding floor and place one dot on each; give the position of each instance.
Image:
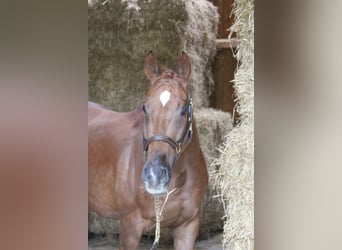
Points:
(213, 243)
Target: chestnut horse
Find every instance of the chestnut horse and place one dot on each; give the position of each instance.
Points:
(146, 152)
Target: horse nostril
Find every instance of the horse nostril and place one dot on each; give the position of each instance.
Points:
(169, 74)
(163, 172)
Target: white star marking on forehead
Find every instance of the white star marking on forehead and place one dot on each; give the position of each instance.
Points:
(165, 97)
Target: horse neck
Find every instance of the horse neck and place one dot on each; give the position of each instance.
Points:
(192, 150)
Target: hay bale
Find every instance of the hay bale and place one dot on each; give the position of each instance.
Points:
(200, 45)
(212, 126)
(102, 225)
(120, 33)
(235, 177)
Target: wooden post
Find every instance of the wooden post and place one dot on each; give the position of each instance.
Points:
(224, 66)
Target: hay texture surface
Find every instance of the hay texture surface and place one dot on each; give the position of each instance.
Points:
(212, 127)
(120, 34)
(235, 178)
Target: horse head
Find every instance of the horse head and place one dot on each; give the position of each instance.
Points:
(167, 123)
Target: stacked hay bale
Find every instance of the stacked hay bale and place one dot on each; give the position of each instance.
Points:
(122, 32)
(120, 35)
(212, 126)
(235, 178)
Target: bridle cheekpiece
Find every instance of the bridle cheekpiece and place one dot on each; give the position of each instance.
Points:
(176, 145)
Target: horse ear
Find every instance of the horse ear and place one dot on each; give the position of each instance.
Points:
(151, 66)
(184, 66)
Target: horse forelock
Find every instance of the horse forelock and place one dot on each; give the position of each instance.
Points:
(170, 82)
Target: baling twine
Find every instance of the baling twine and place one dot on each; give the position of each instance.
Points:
(159, 210)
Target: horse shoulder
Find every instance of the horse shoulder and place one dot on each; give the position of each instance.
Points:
(196, 183)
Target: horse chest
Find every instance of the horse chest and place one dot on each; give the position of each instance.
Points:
(175, 211)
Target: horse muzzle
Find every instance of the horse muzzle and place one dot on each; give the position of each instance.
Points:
(155, 177)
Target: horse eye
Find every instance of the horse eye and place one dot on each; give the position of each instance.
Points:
(184, 109)
(144, 109)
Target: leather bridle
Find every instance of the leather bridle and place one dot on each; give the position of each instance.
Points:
(176, 145)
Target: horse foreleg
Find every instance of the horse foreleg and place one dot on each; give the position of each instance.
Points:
(131, 229)
(185, 234)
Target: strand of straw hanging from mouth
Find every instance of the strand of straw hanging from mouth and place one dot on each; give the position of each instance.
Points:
(159, 210)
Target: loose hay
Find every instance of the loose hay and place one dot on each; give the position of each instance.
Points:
(235, 178)
(120, 33)
(212, 126)
(200, 45)
(100, 225)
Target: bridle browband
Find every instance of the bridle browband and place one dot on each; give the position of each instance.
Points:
(176, 145)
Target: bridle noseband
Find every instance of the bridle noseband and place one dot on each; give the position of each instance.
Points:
(176, 145)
